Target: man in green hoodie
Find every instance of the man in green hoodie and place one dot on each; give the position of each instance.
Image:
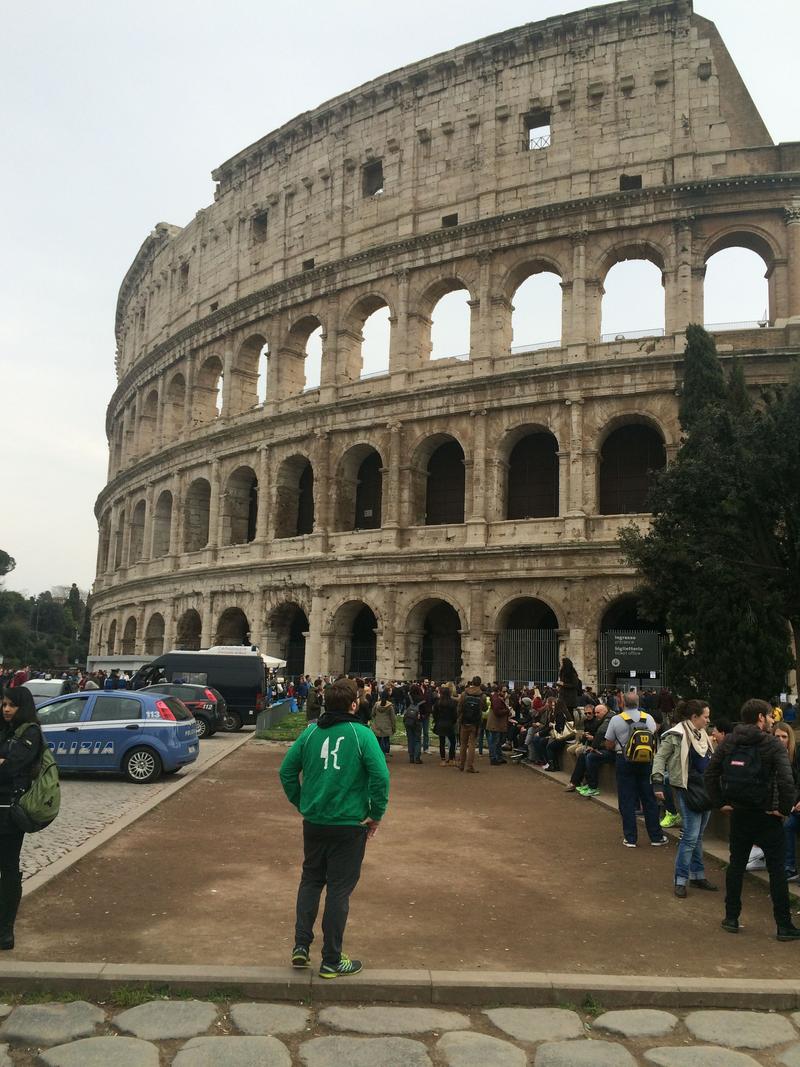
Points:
(336, 776)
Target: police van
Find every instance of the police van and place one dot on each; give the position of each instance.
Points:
(239, 672)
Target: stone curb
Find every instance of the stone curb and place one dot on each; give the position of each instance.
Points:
(41, 878)
(526, 988)
(712, 846)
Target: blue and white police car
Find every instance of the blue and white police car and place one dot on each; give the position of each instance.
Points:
(138, 734)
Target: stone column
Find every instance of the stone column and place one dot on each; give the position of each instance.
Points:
(139, 646)
(178, 516)
(328, 379)
(322, 489)
(678, 282)
(476, 505)
(314, 665)
(159, 435)
(391, 483)
(399, 338)
(262, 518)
(149, 522)
(227, 376)
(207, 615)
(792, 217)
(169, 628)
(591, 463)
(564, 456)
(481, 332)
(384, 661)
(126, 532)
(575, 298)
(188, 374)
(214, 507)
(575, 519)
(472, 640)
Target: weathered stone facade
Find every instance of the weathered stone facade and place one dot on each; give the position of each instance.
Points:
(414, 185)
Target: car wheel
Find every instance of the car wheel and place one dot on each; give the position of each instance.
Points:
(142, 765)
(231, 722)
(202, 726)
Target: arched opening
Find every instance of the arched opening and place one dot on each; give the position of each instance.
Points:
(533, 477)
(162, 524)
(263, 374)
(207, 397)
(629, 459)
(196, 515)
(233, 628)
(136, 542)
(440, 644)
(130, 431)
(736, 289)
(354, 639)
(527, 642)
(376, 333)
(633, 300)
(129, 637)
(111, 643)
(312, 363)
(189, 632)
(360, 489)
(240, 513)
(245, 374)
(119, 540)
(175, 407)
(286, 637)
(154, 636)
(451, 324)
(294, 498)
(148, 422)
(444, 485)
(630, 647)
(536, 318)
(105, 544)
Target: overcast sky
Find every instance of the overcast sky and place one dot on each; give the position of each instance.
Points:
(114, 116)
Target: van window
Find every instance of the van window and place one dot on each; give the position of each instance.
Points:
(191, 677)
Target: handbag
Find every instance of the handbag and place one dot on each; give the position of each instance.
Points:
(697, 798)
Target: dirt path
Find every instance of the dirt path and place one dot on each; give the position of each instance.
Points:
(497, 871)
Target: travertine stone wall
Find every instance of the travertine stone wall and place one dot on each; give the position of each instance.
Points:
(643, 89)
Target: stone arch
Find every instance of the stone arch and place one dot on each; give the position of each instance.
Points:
(353, 638)
(526, 647)
(245, 371)
(233, 628)
(148, 422)
(207, 394)
(294, 497)
(629, 456)
(532, 298)
(287, 628)
(240, 507)
(154, 635)
(136, 537)
(300, 359)
(162, 524)
(433, 629)
(175, 406)
(359, 489)
(111, 640)
(189, 631)
(433, 329)
(633, 295)
(129, 637)
(745, 262)
(353, 341)
(438, 486)
(531, 483)
(197, 515)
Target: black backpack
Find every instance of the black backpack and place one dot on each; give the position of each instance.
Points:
(744, 780)
(411, 716)
(472, 709)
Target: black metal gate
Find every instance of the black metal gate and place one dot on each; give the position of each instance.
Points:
(359, 658)
(440, 657)
(527, 656)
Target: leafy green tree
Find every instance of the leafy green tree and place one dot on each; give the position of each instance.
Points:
(719, 563)
(7, 563)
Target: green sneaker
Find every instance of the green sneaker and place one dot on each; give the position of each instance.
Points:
(344, 967)
(582, 790)
(300, 956)
(588, 792)
(671, 818)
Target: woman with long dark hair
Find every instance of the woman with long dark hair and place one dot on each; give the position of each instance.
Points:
(19, 752)
(569, 685)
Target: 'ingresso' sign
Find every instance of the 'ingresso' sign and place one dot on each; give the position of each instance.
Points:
(627, 651)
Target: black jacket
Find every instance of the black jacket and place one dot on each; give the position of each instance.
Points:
(774, 760)
(19, 754)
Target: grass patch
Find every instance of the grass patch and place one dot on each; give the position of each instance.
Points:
(41, 996)
(133, 996)
(592, 1007)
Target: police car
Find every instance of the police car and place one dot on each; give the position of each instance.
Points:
(139, 734)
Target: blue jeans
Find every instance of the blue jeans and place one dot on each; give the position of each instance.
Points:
(495, 744)
(790, 827)
(414, 736)
(595, 758)
(481, 737)
(633, 784)
(386, 744)
(689, 859)
(425, 735)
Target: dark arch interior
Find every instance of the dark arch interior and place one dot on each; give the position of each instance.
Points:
(362, 645)
(369, 493)
(190, 628)
(628, 460)
(232, 628)
(444, 494)
(625, 614)
(305, 501)
(531, 614)
(440, 658)
(527, 643)
(533, 478)
(197, 515)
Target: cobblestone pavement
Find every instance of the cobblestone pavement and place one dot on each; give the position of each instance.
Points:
(192, 1033)
(90, 803)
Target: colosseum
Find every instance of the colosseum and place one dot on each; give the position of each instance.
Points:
(426, 512)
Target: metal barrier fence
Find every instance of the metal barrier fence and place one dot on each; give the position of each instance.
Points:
(525, 656)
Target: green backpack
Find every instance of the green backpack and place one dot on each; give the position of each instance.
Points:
(38, 805)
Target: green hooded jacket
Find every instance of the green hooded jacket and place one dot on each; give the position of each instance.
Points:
(335, 774)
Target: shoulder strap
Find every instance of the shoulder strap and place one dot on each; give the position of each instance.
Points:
(642, 716)
(624, 715)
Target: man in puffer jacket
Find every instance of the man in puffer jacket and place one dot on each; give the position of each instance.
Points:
(750, 777)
